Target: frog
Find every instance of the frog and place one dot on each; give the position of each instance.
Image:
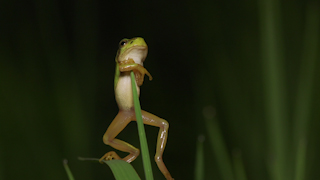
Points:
(130, 57)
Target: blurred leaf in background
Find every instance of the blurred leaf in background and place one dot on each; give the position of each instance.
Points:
(255, 62)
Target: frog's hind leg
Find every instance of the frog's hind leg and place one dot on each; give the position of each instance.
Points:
(117, 125)
(153, 120)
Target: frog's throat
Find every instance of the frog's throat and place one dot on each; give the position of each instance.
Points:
(137, 53)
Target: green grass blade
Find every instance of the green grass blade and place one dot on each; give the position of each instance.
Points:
(199, 167)
(239, 170)
(274, 84)
(120, 169)
(219, 147)
(68, 171)
(305, 88)
(300, 160)
(142, 135)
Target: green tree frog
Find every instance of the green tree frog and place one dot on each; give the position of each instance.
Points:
(130, 57)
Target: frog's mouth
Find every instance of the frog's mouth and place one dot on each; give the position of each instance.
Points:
(137, 53)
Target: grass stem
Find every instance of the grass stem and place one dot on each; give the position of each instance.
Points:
(142, 135)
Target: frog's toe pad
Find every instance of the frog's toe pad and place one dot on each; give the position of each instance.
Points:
(109, 156)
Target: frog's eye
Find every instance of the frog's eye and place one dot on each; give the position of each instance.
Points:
(123, 42)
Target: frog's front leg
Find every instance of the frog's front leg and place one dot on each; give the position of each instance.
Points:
(153, 120)
(139, 70)
(117, 125)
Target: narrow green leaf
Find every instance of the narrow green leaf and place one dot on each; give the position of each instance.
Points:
(120, 169)
(238, 165)
(305, 88)
(218, 145)
(274, 84)
(68, 171)
(300, 160)
(199, 169)
(142, 135)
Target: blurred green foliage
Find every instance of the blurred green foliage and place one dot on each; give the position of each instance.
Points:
(255, 62)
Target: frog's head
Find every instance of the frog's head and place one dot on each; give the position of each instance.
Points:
(135, 48)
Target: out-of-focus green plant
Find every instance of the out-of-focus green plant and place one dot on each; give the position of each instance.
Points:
(68, 171)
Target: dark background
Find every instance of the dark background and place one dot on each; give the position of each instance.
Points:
(255, 62)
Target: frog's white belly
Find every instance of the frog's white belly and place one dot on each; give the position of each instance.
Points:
(123, 92)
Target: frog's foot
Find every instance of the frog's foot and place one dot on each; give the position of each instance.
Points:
(109, 156)
(139, 70)
(139, 77)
